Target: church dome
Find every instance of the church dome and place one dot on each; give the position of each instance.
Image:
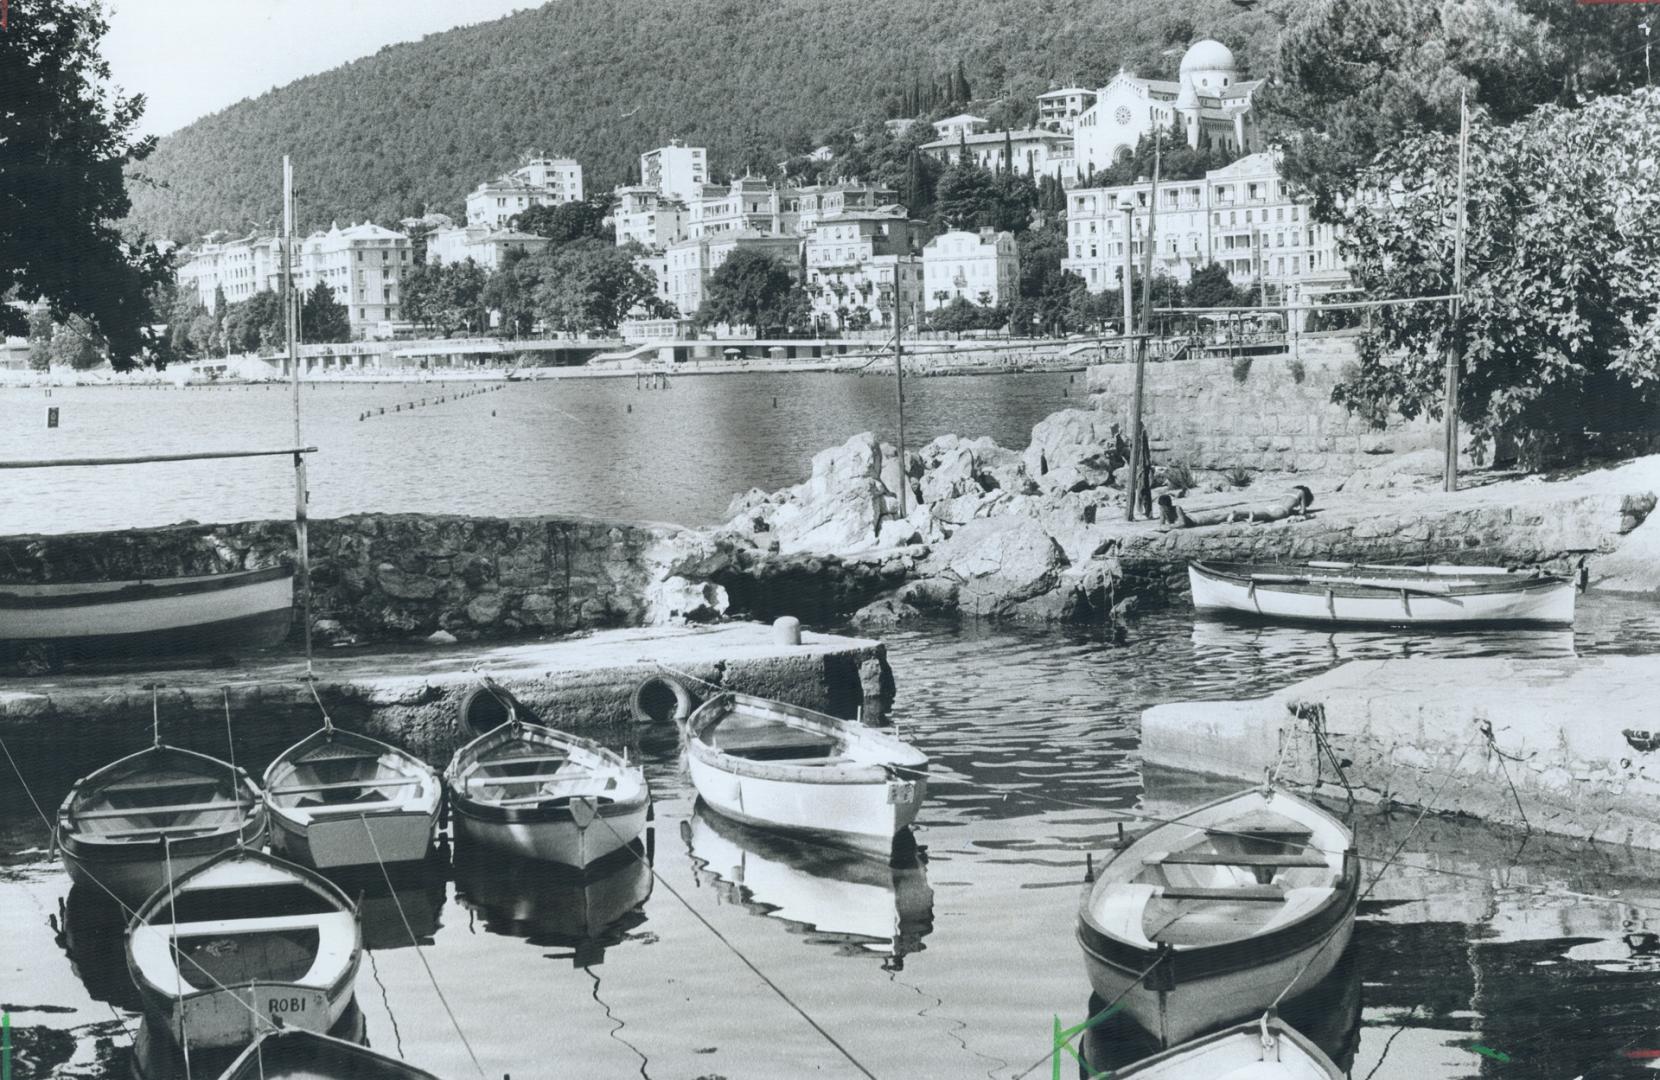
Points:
(1208, 54)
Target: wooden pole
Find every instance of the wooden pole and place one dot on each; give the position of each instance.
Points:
(1449, 478)
(899, 382)
(57, 463)
(291, 328)
(1129, 331)
(1138, 435)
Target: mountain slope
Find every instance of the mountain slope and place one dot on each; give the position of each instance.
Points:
(418, 125)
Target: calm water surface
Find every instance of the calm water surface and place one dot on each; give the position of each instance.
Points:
(584, 446)
(955, 962)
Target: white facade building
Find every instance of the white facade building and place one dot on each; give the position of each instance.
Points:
(538, 181)
(961, 124)
(645, 216)
(676, 170)
(982, 268)
(485, 246)
(1059, 109)
(1035, 152)
(854, 261)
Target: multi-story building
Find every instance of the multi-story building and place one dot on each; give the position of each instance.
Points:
(675, 170)
(1058, 110)
(485, 246)
(1240, 216)
(827, 200)
(538, 181)
(1034, 152)
(856, 264)
(645, 216)
(364, 265)
(689, 263)
(238, 268)
(1209, 102)
(749, 205)
(983, 268)
(961, 124)
(560, 177)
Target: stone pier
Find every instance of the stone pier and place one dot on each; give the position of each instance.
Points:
(62, 726)
(1568, 746)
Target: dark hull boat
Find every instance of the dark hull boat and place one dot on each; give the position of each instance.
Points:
(306, 1055)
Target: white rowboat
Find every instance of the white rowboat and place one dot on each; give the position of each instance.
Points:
(306, 1055)
(240, 943)
(1224, 909)
(338, 798)
(207, 613)
(1262, 1049)
(118, 826)
(1381, 595)
(778, 766)
(539, 793)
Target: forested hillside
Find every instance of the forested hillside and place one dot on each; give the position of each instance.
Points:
(418, 125)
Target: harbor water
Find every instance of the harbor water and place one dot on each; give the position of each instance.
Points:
(1479, 953)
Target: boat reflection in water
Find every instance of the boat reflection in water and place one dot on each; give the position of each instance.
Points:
(155, 1056)
(586, 910)
(386, 899)
(92, 930)
(1328, 1014)
(1292, 648)
(860, 902)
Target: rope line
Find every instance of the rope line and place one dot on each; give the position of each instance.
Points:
(1106, 1011)
(747, 962)
(419, 953)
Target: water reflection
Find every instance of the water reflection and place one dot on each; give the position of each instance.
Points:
(397, 902)
(91, 930)
(1224, 641)
(858, 902)
(1329, 1014)
(586, 911)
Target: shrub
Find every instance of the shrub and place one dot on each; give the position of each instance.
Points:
(1180, 475)
(1241, 368)
(1238, 477)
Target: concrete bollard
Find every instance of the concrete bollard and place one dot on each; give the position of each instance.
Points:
(786, 630)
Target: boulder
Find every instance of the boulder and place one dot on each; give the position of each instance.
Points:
(743, 505)
(1079, 437)
(950, 513)
(845, 518)
(844, 466)
(887, 611)
(999, 562)
(999, 467)
(676, 600)
(952, 475)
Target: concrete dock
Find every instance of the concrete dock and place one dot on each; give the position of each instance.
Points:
(413, 698)
(1568, 746)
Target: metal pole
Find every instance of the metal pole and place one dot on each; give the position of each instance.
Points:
(899, 383)
(1449, 478)
(1129, 326)
(291, 328)
(1138, 458)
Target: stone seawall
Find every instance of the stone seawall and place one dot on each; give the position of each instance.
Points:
(396, 576)
(1265, 414)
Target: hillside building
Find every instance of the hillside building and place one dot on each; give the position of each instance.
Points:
(1035, 152)
(747, 205)
(1058, 110)
(963, 124)
(819, 201)
(688, 264)
(982, 268)
(645, 216)
(538, 181)
(676, 170)
(857, 262)
(363, 264)
(485, 246)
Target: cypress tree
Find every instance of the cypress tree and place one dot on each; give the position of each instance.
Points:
(963, 93)
(1008, 152)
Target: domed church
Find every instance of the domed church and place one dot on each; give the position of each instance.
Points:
(1208, 101)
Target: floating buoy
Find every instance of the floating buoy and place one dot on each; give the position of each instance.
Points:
(631, 408)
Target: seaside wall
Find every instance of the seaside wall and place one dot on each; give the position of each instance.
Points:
(388, 576)
(1267, 413)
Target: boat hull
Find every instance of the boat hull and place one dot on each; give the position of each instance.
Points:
(864, 814)
(1549, 602)
(344, 840)
(132, 872)
(1196, 1006)
(213, 614)
(237, 1015)
(556, 836)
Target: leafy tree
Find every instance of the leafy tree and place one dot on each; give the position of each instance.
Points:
(960, 315)
(1357, 77)
(76, 344)
(751, 288)
(445, 296)
(1177, 160)
(40, 338)
(1045, 288)
(589, 286)
(1210, 286)
(511, 292)
(65, 139)
(564, 222)
(322, 317)
(254, 325)
(1562, 269)
(969, 197)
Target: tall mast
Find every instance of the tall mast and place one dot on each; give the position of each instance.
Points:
(290, 326)
(1449, 476)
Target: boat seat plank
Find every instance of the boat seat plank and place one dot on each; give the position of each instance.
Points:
(529, 778)
(1262, 825)
(769, 738)
(175, 808)
(344, 785)
(1250, 892)
(523, 759)
(157, 785)
(210, 826)
(349, 807)
(1220, 858)
(531, 800)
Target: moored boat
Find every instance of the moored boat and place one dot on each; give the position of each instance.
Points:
(1263, 1049)
(540, 793)
(244, 941)
(308, 1055)
(1219, 913)
(338, 799)
(1323, 592)
(218, 613)
(119, 827)
(778, 766)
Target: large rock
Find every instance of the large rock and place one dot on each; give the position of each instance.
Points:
(840, 467)
(999, 467)
(844, 518)
(676, 600)
(1080, 438)
(998, 562)
(952, 475)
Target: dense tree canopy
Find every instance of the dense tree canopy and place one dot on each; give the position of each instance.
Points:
(755, 289)
(445, 297)
(591, 286)
(564, 222)
(322, 317)
(65, 138)
(1562, 268)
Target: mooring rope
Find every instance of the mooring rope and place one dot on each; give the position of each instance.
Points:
(747, 962)
(413, 940)
(1106, 1011)
(1492, 744)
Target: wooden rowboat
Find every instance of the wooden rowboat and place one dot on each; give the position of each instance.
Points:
(307, 1055)
(1224, 908)
(778, 766)
(338, 799)
(1263, 1049)
(1387, 595)
(240, 943)
(539, 793)
(216, 613)
(118, 827)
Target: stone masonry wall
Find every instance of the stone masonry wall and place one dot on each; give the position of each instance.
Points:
(1268, 413)
(389, 576)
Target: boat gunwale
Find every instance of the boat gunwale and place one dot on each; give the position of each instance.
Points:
(466, 762)
(426, 806)
(139, 590)
(1250, 1029)
(69, 836)
(348, 1052)
(842, 773)
(1239, 574)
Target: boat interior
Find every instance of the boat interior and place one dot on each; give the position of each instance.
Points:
(774, 739)
(1237, 1055)
(533, 774)
(168, 801)
(339, 778)
(1245, 876)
